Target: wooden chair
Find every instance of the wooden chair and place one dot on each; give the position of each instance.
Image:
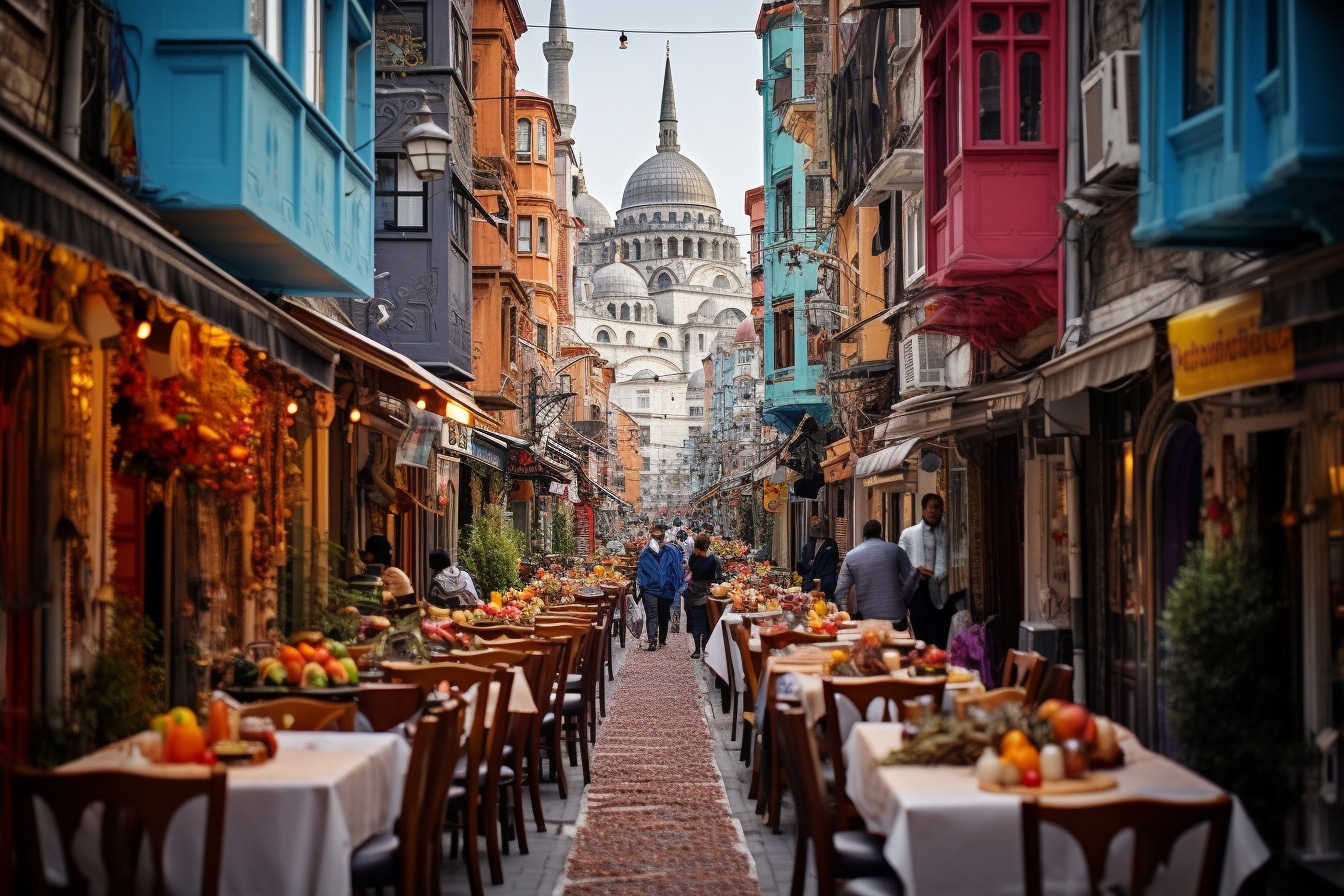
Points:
(1023, 669)
(861, 693)
(1057, 684)
(491, 632)
(464, 801)
(731, 697)
(770, 642)
(751, 677)
(569, 719)
(547, 700)
(988, 701)
(1157, 825)
(136, 807)
(303, 713)
(496, 778)
(839, 854)
(388, 705)
(452, 718)
(430, 677)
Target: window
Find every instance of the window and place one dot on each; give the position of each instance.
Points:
(662, 342)
(266, 22)
(1029, 96)
(721, 282)
(523, 141)
(603, 336)
(512, 335)
(743, 357)
(664, 281)
(543, 236)
(642, 404)
(399, 195)
(525, 235)
(611, 309)
(461, 222)
(594, 412)
(544, 338)
(646, 464)
(686, 343)
(700, 341)
(913, 238)
(1201, 55)
(462, 50)
(990, 94)
(541, 140)
(629, 337)
(625, 311)
(315, 52)
(696, 410)
(783, 209)
(783, 336)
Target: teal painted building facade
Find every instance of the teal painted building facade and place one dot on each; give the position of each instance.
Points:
(255, 122)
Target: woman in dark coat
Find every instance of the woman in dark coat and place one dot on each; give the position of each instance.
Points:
(706, 569)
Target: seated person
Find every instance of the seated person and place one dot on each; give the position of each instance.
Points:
(452, 588)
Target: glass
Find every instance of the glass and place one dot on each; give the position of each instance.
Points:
(990, 96)
(1201, 55)
(1029, 23)
(1029, 96)
(988, 23)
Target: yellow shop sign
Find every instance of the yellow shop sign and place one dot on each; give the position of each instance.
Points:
(772, 497)
(1219, 346)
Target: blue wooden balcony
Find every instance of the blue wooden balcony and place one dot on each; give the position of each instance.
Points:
(1246, 152)
(254, 143)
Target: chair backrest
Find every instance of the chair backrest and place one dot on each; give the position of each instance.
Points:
(772, 641)
(1023, 669)
(592, 663)
(860, 694)
(802, 770)
(578, 633)
(451, 716)
(431, 677)
(136, 806)
(388, 705)
(303, 713)
(491, 632)
(543, 692)
(751, 675)
(1057, 684)
(1157, 825)
(989, 701)
(489, 656)
(411, 824)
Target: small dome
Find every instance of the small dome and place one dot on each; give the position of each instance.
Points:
(595, 216)
(697, 381)
(619, 281)
(746, 331)
(668, 178)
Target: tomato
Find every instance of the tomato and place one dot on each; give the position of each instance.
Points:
(321, 655)
(1031, 778)
(207, 757)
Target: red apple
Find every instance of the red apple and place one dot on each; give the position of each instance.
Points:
(830, 627)
(1070, 722)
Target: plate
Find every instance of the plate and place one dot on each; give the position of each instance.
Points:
(1093, 783)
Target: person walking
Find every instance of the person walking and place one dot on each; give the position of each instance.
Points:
(706, 569)
(926, 544)
(452, 588)
(819, 559)
(661, 580)
(877, 579)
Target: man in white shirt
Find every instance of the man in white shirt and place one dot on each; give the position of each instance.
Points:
(926, 545)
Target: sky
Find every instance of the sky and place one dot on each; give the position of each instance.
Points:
(618, 92)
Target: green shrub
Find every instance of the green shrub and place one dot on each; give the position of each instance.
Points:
(490, 551)
(562, 532)
(1227, 687)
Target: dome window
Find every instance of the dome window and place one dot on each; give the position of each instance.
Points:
(662, 342)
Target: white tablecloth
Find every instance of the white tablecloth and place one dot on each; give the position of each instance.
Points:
(726, 664)
(935, 816)
(290, 824)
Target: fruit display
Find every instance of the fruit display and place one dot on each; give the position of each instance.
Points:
(866, 655)
(309, 661)
(931, 660)
(446, 633)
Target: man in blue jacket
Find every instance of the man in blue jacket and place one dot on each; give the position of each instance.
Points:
(661, 580)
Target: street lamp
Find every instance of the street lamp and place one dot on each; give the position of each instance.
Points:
(427, 146)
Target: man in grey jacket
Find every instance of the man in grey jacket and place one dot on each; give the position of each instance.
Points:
(881, 577)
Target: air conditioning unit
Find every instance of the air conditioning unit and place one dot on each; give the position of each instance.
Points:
(1111, 114)
(922, 357)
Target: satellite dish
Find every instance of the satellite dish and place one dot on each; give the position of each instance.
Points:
(930, 462)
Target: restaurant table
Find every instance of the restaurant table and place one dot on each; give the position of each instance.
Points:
(723, 663)
(804, 687)
(290, 824)
(934, 816)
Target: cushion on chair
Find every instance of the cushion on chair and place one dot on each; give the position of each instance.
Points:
(572, 705)
(460, 773)
(873, 886)
(859, 854)
(457, 798)
(374, 862)
(573, 683)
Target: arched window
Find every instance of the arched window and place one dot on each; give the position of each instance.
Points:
(687, 248)
(657, 217)
(523, 145)
(625, 311)
(662, 342)
(636, 250)
(991, 96)
(700, 218)
(713, 221)
(639, 312)
(625, 250)
(714, 250)
(686, 218)
(643, 219)
(658, 248)
(594, 412)
(629, 337)
(603, 336)
(611, 309)
(672, 247)
(664, 281)
(721, 282)
(700, 249)
(541, 140)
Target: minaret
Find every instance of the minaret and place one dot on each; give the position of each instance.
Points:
(558, 51)
(667, 118)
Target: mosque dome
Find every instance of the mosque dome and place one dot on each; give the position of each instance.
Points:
(595, 216)
(619, 281)
(668, 178)
(746, 331)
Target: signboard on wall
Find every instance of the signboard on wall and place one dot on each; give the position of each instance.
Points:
(1219, 346)
(772, 497)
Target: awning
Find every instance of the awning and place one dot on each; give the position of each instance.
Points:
(58, 199)
(527, 464)
(612, 495)
(1103, 360)
(489, 449)
(704, 498)
(885, 460)
(922, 415)
(357, 345)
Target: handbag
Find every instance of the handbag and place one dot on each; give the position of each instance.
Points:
(635, 617)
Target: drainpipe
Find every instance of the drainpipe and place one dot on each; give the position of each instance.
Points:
(1073, 316)
(72, 84)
